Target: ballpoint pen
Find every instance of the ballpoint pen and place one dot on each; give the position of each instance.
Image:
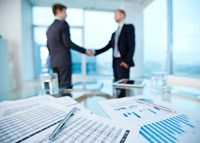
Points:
(61, 125)
(156, 105)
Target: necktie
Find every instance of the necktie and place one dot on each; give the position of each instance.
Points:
(116, 50)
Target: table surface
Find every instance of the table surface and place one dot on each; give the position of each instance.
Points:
(89, 95)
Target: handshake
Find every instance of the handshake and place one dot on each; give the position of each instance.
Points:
(90, 52)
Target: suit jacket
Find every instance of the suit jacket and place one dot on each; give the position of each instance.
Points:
(126, 44)
(59, 44)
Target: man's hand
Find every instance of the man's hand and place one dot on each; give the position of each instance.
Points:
(90, 52)
(123, 64)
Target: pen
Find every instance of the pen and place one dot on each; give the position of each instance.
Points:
(61, 125)
(156, 105)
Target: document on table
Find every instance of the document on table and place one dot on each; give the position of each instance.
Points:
(157, 126)
(12, 107)
(69, 102)
(179, 128)
(65, 101)
(37, 123)
(128, 109)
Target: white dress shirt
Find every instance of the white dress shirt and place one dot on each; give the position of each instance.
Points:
(117, 34)
(58, 18)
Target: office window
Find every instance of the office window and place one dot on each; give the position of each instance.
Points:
(42, 16)
(186, 38)
(75, 16)
(155, 37)
(41, 51)
(99, 27)
(40, 35)
(77, 37)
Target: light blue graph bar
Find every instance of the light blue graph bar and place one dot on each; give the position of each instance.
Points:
(167, 130)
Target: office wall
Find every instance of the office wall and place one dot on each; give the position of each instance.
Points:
(27, 42)
(10, 29)
(4, 71)
(15, 27)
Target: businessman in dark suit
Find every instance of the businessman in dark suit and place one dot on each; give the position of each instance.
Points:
(59, 45)
(123, 44)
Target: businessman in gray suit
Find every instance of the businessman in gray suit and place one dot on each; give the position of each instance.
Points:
(59, 45)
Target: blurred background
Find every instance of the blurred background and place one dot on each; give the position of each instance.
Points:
(167, 38)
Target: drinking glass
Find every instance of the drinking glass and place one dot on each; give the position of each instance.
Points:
(49, 83)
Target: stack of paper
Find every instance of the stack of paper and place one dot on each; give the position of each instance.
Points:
(34, 119)
(157, 125)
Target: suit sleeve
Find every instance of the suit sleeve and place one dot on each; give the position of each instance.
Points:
(104, 49)
(48, 45)
(65, 35)
(131, 44)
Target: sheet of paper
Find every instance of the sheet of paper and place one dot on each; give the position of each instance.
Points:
(12, 107)
(66, 101)
(88, 129)
(128, 109)
(69, 102)
(36, 124)
(157, 126)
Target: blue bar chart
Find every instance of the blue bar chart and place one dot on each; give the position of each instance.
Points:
(134, 111)
(171, 130)
(142, 113)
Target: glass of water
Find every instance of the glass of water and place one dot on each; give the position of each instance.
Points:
(49, 83)
(158, 82)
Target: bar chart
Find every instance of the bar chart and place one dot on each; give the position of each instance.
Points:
(141, 113)
(131, 110)
(175, 129)
(136, 111)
